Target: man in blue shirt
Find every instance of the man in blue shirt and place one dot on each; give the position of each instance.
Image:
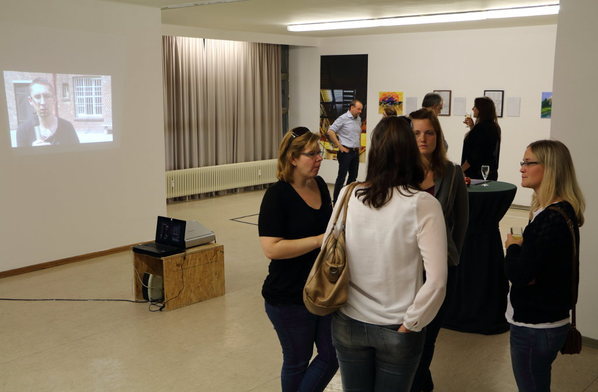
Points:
(345, 134)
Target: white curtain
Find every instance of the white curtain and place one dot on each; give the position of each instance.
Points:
(222, 101)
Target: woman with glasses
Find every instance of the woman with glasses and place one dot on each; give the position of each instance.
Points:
(443, 180)
(539, 266)
(394, 232)
(482, 143)
(293, 217)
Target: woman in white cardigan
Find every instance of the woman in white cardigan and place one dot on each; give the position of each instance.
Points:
(394, 232)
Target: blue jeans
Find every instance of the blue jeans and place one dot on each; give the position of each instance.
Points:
(348, 162)
(375, 358)
(532, 353)
(298, 330)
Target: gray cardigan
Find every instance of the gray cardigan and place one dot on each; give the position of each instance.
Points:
(451, 192)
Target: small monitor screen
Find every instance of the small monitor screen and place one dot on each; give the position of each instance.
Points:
(46, 109)
(170, 231)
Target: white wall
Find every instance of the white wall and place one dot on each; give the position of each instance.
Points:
(518, 60)
(63, 204)
(574, 123)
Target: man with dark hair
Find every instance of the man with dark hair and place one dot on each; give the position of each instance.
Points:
(345, 134)
(45, 128)
(433, 102)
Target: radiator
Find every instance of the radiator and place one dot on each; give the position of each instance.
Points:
(194, 181)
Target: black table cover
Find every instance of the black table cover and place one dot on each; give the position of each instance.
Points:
(477, 291)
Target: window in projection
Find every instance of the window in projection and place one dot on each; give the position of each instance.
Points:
(46, 109)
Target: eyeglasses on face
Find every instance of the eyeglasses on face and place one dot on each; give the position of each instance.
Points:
(313, 154)
(528, 163)
(45, 96)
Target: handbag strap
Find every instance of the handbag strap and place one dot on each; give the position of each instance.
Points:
(574, 262)
(344, 204)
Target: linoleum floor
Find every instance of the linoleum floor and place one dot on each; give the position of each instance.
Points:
(222, 344)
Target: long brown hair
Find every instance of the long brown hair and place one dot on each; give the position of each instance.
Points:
(393, 161)
(487, 112)
(438, 159)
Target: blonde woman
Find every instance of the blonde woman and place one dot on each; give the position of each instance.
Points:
(539, 265)
(293, 217)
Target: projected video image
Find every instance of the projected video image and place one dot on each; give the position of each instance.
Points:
(46, 109)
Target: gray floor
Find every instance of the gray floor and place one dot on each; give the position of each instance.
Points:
(223, 344)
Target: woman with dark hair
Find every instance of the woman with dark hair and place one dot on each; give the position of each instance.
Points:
(443, 180)
(539, 266)
(293, 217)
(393, 232)
(482, 143)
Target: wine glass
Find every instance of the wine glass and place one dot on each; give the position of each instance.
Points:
(467, 118)
(485, 171)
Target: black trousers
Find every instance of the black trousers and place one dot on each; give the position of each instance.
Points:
(423, 377)
(348, 162)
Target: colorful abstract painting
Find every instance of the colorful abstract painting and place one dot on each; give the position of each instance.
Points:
(390, 100)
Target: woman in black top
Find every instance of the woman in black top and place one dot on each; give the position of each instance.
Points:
(482, 143)
(293, 218)
(539, 265)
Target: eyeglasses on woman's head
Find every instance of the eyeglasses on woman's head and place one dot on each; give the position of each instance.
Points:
(299, 131)
(295, 133)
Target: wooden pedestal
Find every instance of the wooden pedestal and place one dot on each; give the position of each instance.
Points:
(189, 277)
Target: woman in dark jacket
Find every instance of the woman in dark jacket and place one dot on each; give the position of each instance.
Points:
(539, 266)
(482, 143)
(444, 180)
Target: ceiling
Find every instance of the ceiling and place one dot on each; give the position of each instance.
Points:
(272, 16)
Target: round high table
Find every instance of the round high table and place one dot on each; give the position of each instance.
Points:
(477, 291)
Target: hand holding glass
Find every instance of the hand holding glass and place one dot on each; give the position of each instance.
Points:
(517, 233)
(485, 171)
(468, 121)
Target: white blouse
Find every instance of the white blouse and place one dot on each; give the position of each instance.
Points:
(388, 250)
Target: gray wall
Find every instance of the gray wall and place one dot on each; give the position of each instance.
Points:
(574, 123)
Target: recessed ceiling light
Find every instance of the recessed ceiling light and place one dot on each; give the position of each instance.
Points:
(515, 12)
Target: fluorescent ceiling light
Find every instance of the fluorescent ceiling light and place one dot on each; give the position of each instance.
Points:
(518, 12)
(197, 3)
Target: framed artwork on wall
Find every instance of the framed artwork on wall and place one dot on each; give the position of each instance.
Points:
(391, 101)
(343, 78)
(546, 108)
(498, 96)
(446, 102)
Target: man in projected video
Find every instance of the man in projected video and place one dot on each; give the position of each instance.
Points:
(45, 128)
